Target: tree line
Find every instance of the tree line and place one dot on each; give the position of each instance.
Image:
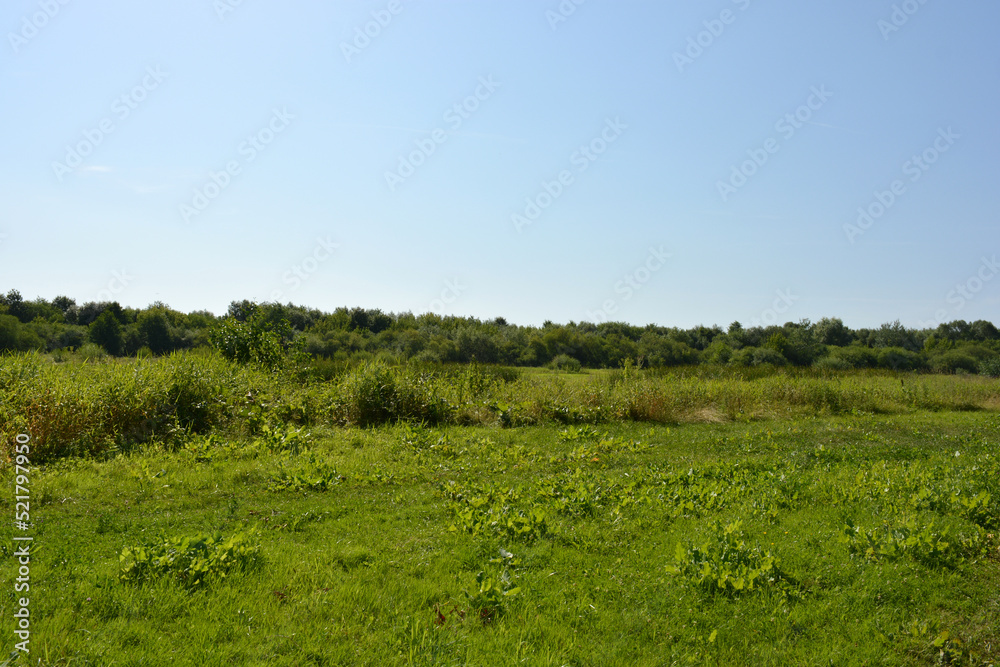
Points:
(269, 331)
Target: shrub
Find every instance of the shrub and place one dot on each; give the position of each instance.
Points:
(375, 394)
(564, 362)
(990, 367)
(952, 361)
(832, 363)
(856, 356)
(92, 352)
(899, 359)
(758, 356)
(254, 341)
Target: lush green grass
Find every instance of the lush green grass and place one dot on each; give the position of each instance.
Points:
(369, 543)
(110, 406)
(191, 511)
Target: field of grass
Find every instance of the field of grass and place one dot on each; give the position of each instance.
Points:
(186, 511)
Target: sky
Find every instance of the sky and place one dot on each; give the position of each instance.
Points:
(681, 163)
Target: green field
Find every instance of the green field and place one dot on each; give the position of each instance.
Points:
(190, 511)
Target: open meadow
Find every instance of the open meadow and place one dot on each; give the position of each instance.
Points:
(187, 510)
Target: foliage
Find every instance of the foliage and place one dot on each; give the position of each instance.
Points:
(194, 561)
(726, 564)
(255, 340)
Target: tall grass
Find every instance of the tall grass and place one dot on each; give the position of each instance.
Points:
(98, 407)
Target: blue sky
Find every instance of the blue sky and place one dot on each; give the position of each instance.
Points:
(713, 156)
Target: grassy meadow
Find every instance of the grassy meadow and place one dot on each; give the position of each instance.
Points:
(190, 511)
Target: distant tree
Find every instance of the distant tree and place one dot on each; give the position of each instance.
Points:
(254, 341)
(831, 331)
(15, 305)
(106, 331)
(241, 310)
(154, 328)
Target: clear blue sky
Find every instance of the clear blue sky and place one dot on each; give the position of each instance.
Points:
(331, 113)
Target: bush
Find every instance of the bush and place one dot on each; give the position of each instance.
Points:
(990, 367)
(953, 361)
(564, 362)
(92, 352)
(899, 359)
(832, 363)
(758, 356)
(254, 341)
(855, 356)
(374, 394)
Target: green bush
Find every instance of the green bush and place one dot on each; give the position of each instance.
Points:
(832, 363)
(990, 367)
(856, 356)
(953, 361)
(564, 362)
(256, 340)
(898, 359)
(758, 356)
(374, 393)
(92, 352)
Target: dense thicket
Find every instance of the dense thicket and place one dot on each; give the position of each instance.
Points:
(261, 332)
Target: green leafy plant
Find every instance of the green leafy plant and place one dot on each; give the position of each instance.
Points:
(726, 564)
(192, 560)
